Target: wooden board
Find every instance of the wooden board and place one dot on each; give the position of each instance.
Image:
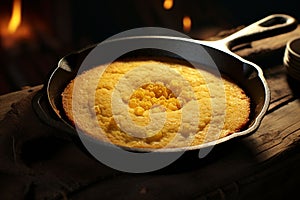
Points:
(38, 162)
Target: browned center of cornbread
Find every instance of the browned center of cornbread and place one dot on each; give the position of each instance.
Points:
(152, 94)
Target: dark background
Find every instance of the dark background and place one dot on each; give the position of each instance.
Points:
(59, 27)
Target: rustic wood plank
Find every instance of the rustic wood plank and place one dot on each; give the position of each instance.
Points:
(283, 88)
(38, 153)
(279, 131)
(257, 50)
(276, 180)
(260, 49)
(54, 168)
(224, 173)
(8, 99)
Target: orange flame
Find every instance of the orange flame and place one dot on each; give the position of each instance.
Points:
(168, 4)
(15, 19)
(187, 24)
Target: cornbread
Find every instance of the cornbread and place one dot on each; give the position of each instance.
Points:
(155, 103)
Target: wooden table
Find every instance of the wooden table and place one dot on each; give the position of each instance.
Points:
(35, 163)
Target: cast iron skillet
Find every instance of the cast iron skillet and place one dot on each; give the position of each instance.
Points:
(47, 103)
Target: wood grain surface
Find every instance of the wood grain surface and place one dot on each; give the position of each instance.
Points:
(39, 162)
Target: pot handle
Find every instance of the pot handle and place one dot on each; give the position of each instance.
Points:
(40, 108)
(269, 26)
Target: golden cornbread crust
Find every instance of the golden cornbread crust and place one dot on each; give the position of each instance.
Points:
(154, 103)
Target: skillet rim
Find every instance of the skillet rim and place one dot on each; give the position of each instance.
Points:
(216, 45)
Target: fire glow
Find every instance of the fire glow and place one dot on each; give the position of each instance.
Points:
(14, 30)
(187, 24)
(15, 19)
(168, 4)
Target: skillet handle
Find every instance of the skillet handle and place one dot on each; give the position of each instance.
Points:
(269, 26)
(41, 108)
